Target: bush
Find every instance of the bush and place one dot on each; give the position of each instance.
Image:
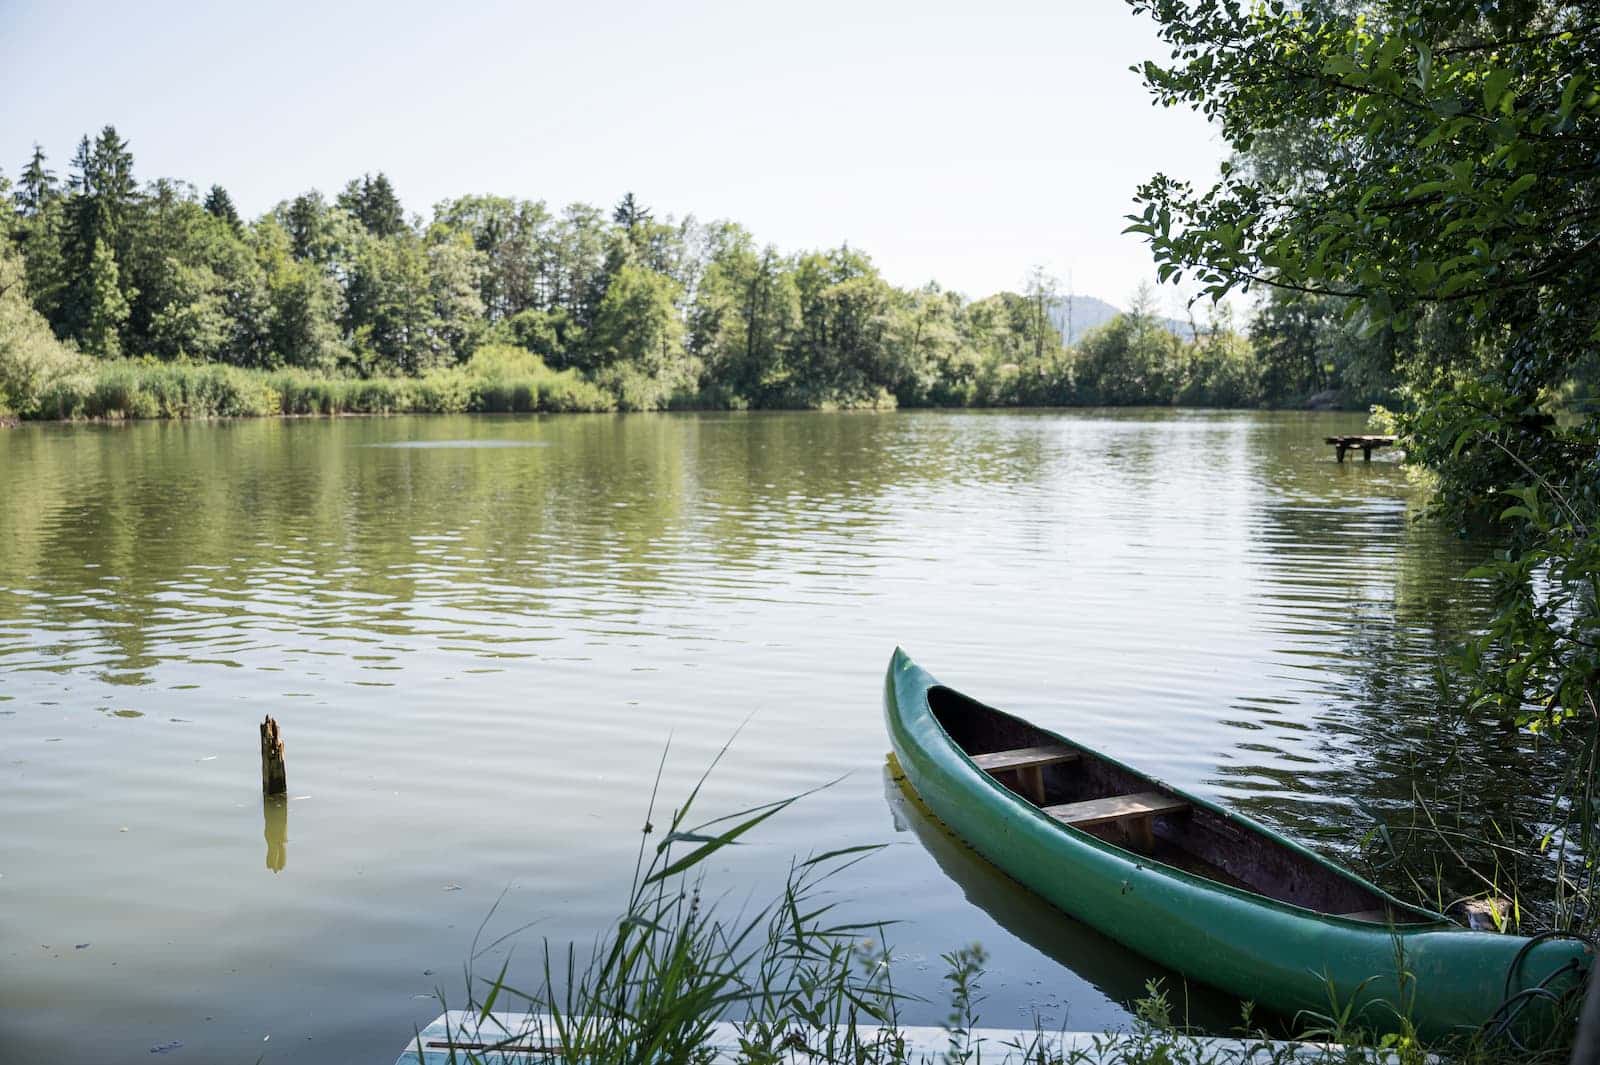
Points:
(506, 379)
(501, 362)
(378, 395)
(443, 392)
(301, 393)
(566, 391)
(33, 363)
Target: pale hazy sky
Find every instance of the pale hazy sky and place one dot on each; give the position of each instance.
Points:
(961, 142)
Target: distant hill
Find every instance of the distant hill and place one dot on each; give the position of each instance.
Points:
(1088, 312)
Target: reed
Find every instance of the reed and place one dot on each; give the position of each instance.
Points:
(129, 389)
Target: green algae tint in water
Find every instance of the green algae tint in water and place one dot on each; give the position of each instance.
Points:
(479, 633)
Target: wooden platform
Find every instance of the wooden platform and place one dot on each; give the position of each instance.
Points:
(1367, 444)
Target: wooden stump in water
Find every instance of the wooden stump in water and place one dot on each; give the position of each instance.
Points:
(274, 781)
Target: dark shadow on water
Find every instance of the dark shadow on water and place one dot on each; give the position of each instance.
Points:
(1109, 967)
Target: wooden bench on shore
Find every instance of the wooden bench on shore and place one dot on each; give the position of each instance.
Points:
(1367, 444)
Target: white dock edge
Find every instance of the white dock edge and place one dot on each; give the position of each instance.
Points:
(524, 1039)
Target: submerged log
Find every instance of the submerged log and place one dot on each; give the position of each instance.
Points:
(274, 781)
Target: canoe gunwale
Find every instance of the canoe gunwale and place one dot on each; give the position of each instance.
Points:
(1429, 921)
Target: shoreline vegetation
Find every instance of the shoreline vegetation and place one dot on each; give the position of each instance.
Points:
(496, 381)
(132, 390)
(798, 974)
(122, 300)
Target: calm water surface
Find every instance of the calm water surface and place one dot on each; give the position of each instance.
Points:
(480, 633)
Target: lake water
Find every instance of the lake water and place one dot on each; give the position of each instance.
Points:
(479, 634)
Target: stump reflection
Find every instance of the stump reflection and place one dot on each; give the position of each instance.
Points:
(275, 811)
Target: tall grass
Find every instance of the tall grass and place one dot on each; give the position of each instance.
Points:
(651, 989)
(494, 380)
(127, 389)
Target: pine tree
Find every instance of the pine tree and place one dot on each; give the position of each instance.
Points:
(102, 173)
(38, 232)
(303, 220)
(80, 232)
(115, 191)
(219, 205)
(105, 309)
(383, 214)
(98, 236)
(103, 191)
(373, 203)
(82, 167)
(631, 215)
(36, 186)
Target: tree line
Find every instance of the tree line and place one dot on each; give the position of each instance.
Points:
(654, 312)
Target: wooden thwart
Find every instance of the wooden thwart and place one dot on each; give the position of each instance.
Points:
(1115, 808)
(1025, 757)
(1131, 813)
(1028, 764)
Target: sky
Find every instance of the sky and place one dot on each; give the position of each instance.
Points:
(957, 142)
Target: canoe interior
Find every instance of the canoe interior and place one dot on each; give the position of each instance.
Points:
(1192, 838)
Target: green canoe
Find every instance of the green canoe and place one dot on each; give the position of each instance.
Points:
(1195, 887)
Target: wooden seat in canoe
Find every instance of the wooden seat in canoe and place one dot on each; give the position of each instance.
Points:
(1131, 812)
(1025, 757)
(1027, 763)
(1115, 808)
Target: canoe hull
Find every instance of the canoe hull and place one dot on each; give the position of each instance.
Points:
(1279, 956)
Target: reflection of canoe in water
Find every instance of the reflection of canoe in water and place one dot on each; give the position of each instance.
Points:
(1107, 967)
(1190, 885)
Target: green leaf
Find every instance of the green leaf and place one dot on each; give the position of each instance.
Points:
(494, 991)
(1427, 188)
(1569, 95)
(716, 843)
(1518, 187)
(862, 848)
(1494, 87)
